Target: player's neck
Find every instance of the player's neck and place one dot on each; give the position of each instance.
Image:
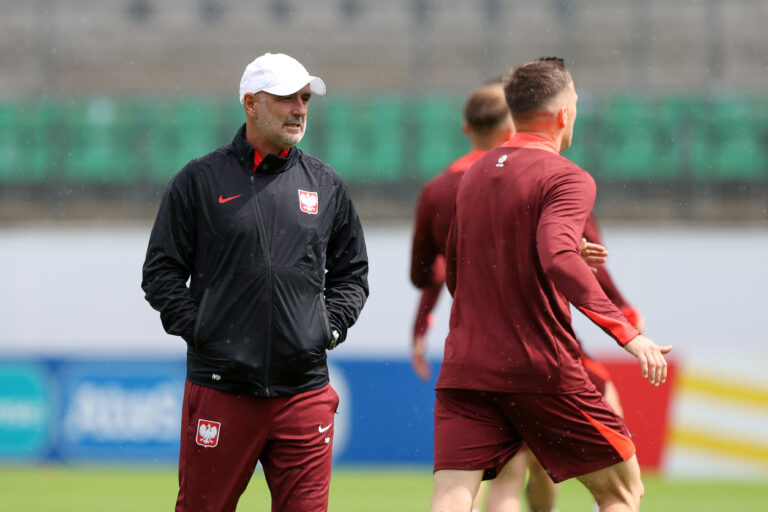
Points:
(479, 143)
(551, 134)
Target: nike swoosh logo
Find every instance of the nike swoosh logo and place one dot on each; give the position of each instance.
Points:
(223, 199)
(321, 429)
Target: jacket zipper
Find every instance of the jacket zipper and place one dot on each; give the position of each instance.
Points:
(265, 248)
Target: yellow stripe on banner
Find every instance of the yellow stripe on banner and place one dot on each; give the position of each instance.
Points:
(732, 392)
(734, 448)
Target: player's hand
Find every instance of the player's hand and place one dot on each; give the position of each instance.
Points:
(418, 360)
(651, 358)
(593, 254)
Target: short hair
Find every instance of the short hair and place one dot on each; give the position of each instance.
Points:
(486, 108)
(530, 86)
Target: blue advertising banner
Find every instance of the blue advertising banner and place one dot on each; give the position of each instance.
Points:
(26, 407)
(130, 411)
(120, 410)
(387, 413)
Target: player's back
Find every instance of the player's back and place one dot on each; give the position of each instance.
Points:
(510, 327)
(434, 213)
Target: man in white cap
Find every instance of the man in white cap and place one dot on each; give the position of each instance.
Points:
(272, 246)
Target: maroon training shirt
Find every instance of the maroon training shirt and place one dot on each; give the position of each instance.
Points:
(513, 265)
(434, 212)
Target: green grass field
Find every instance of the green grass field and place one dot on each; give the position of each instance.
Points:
(61, 488)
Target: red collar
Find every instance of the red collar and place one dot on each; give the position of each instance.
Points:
(257, 158)
(465, 162)
(530, 141)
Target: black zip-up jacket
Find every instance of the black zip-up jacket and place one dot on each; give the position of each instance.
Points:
(275, 259)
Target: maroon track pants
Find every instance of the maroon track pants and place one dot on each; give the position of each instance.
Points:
(223, 435)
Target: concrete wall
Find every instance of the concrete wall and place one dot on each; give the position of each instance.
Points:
(85, 46)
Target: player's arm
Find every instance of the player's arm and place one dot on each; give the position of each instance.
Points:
(419, 361)
(427, 267)
(427, 273)
(427, 302)
(169, 260)
(566, 207)
(424, 250)
(592, 234)
(346, 279)
(450, 256)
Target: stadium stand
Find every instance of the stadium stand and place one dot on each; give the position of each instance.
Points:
(379, 140)
(112, 101)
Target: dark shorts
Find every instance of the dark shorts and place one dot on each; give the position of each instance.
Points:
(223, 435)
(571, 434)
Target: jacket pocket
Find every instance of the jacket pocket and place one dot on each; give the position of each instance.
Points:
(199, 320)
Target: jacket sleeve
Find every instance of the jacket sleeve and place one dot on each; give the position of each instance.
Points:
(346, 280)
(566, 207)
(169, 260)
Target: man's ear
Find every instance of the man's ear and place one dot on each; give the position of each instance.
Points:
(562, 116)
(465, 128)
(250, 104)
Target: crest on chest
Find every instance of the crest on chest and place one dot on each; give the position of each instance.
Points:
(308, 202)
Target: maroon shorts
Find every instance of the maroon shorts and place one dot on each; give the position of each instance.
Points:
(571, 434)
(223, 435)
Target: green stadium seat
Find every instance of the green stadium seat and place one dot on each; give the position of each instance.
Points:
(344, 139)
(11, 170)
(584, 144)
(363, 139)
(730, 142)
(199, 123)
(164, 135)
(635, 145)
(44, 140)
(233, 117)
(386, 139)
(101, 143)
(742, 152)
(440, 138)
(138, 115)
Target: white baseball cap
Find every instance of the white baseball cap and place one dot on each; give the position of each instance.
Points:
(278, 74)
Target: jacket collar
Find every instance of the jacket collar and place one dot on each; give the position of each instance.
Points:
(271, 164)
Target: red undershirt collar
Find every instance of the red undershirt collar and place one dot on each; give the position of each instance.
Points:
(257, 158)
(465, 162)
(531, 141)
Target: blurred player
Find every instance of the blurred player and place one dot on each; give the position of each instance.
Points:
(274, 252)
(512, 369)
(487, 124)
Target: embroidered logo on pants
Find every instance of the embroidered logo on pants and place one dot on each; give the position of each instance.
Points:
(208, 433)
